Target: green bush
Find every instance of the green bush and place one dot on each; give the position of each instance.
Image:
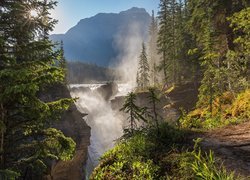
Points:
(146, 155)
(127, 160)
(196, 165)
(241, 106)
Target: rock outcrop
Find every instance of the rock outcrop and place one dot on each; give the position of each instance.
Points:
(72, 125)
(107, 91)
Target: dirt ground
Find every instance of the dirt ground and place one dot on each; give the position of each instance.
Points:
(232, 145)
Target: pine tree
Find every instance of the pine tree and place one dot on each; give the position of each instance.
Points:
(63, 63)
(153, 100)
(239, 59)
(143, 70)
(28, 66)
(209, 25)
(167, 40)
(135, 113)
(153, 56)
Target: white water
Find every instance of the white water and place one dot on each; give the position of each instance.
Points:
(106, 125)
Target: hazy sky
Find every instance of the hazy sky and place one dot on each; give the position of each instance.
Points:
(69, 12)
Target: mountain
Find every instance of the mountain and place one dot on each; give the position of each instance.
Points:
(98, 39)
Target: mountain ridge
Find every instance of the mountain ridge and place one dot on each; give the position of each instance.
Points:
(94, 39)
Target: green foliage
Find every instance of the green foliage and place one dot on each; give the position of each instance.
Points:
(28, 67)
(153, 101)
(144, 156)
(174, 42)
(133, 158)
(57, 144)
(194, 165)
(239, 59)
(241, 106)
(135, 113)
(153, 57)
(142, 78)
(206, 167)
(227, 110)
(127, 161)
(8, 174)
(240, 24)
(223, 62)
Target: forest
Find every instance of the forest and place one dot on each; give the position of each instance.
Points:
(200, 43)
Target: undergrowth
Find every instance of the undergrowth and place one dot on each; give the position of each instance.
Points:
(227, 109)
(147, 155)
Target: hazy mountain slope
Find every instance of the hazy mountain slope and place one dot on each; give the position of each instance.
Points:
(96, 39)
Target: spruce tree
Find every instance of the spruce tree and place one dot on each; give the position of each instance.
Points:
(153, 100)
(63, 63)
(168, 41)
(162, 36)
(28, 67)
(143, 70)
(209, 25)
(239, 59)
(135, 113)
(153, 57)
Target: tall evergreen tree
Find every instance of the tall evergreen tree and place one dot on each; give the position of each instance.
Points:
(134, 111)
(214, 37)
(162, 36)
(143, 70)
(238, 60)
(63, 63)
(27, 68)
(153, 100)
(153, 56)
(168, 41)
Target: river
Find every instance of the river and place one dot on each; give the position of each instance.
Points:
(106, 124)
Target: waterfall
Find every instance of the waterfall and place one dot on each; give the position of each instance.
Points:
(106, 124)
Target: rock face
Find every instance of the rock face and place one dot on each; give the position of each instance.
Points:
(183, 96)
(108, 90)
(74, 126)
(143, 101)
(82, 89)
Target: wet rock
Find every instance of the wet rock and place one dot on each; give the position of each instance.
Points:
(107, 91)
(72, 125)
(80, 89)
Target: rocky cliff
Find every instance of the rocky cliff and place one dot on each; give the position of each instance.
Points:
(72, 125)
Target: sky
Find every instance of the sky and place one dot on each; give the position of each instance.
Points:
(70, 12)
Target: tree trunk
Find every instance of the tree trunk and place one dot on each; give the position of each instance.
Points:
(2, 136)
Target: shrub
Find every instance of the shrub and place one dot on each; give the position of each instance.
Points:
(241, 106)
(129, 159)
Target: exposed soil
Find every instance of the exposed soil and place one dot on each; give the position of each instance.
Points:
(232, 145)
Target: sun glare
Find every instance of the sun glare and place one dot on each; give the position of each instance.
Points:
(33, 13)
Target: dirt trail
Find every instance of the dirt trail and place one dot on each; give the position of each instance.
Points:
(232, 145)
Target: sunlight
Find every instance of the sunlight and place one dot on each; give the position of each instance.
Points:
(33, 13)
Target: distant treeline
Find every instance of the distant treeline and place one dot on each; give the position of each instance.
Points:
(79, 72)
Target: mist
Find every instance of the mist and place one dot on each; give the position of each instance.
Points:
(129, 45)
